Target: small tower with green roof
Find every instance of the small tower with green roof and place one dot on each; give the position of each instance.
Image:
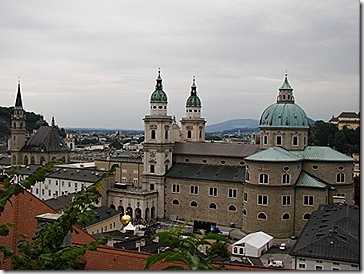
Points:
(193, 126)
(284, 123)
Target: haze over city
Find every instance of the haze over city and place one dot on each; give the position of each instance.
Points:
(94, 63)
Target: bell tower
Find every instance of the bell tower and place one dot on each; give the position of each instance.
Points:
(18, 130)
(193, 126)
(158, 144)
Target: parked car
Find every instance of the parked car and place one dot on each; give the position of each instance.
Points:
(276, 263)
(283, 246)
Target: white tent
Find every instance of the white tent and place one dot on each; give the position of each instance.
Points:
(252, 245)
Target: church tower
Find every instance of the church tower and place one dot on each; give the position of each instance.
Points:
(158, 145)
(193, 126)
(18, 130)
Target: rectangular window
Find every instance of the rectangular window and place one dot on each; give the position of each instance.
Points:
(308, 200)
(302, 266)
(151, 168)
(245, 197)
(233, 193)
(49, 182)
(263, 178)
(286, 200)
(194, 190)
(213, 191)
(151, 187)
(262, 200)
(279, 140)
(286, 178)
(175, 188)
(36, 191)
(56, 182)
(42, 191)
(49, 193)
(295, 140)
(69, 184)
(319, 267)
(62, 183)
(247, 176)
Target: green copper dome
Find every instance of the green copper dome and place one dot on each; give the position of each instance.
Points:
(193, 100)
(158, 95)
(286, 115)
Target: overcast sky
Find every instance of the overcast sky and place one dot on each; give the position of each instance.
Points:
(94, 63)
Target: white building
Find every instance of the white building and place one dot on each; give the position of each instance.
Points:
(252, 245)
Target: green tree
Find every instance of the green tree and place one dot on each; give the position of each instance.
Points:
(46, 250)
(184, 249)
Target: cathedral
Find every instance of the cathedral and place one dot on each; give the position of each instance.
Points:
(273, 186)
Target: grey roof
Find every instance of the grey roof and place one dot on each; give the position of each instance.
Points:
(276, 154)
(215, 149)
(317, 153)
(26, 170)
(103, 213)
(207, 172)
(331, 233)
(307, 180)
(45, 139)
(75, 174)
(60, 202)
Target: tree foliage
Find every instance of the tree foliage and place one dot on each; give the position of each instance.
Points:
(47, 249)
(346, 141)
(184, 249)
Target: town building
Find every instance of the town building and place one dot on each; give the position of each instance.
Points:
(350, 120)
(330, 240)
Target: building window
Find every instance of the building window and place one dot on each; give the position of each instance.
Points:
(262, 216)
(315, 167)
(152, 134)
(69, 184)
(193, 204)
(166, 134)
(340, 178)
(247, 176)
(262, 200)
(49, 193)
(308, 200)
(232, 208)
(265, 140)
(278, 140)
(286, 200)
(245, 197)
(175, 202)
(151, 187)
(212, 206)
(263, 178)
(285, 216)
(302, 266)
(194, 190)
(213, 191)
(152, 169)
(295, 140)
(175, 188)
(233, 193)
(189, 134)
(306, 216)
(244, 212)
(286, 179)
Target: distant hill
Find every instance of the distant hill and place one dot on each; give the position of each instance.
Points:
(236, 124)
(233, 124)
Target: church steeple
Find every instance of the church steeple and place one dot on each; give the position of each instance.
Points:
(18, 101)
(285, 92)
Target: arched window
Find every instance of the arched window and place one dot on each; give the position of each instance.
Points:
(340, 178)
(212, 206)
(175, 202)
(200, 134)
(152, 134)
(286, 179)
(232, 208)
(263, 178)
(262, 216)
(42, 160)
(32, 160)
(189, 134)
(245, 212)
(286, 216)
(193, 204)
(21, 125)
(26, 160)
(306, 216)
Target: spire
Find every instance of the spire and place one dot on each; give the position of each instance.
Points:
(53, 122)
(159, 80)
(286, 84)
(18, 101)
(193, 87)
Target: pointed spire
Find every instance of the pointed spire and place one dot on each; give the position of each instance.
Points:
(286, 84)
(18, 101)
(193, 87)
(53, 122)
(159, 80)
